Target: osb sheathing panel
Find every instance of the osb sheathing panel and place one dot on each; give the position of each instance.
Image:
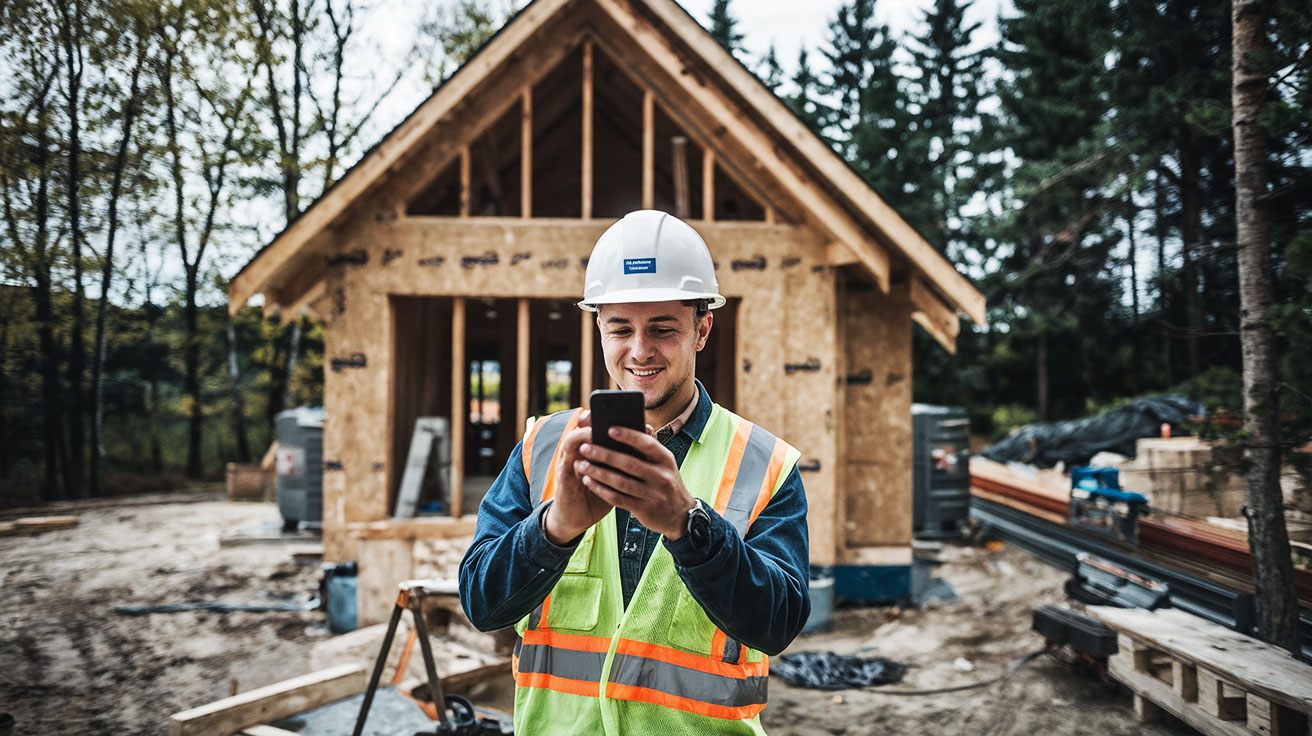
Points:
(787, 316)
(877, 433)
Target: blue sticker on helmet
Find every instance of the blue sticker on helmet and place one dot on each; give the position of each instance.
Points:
(639, 265)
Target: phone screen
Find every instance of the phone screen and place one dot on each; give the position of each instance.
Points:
(616, 409)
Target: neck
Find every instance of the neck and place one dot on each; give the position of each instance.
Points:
(665, 414)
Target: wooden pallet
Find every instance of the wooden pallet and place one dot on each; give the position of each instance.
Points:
(1218, 681)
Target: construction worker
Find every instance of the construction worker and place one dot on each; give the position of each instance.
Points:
(646, 600)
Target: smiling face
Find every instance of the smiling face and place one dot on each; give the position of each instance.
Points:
(652, 348)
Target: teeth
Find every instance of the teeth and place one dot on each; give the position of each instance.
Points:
(651, 372)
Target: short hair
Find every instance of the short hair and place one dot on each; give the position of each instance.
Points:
(700, 307)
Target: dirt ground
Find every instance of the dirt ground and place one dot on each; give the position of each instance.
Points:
(70, 664)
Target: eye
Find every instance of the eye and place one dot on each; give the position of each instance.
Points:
(663, 330)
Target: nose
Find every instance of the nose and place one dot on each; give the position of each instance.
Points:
(641, 348)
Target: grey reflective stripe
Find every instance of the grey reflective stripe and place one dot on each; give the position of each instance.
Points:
(569, 663)
(682, 682)
(751, 474)
(535, 618)
(731, 651)
(544, 447)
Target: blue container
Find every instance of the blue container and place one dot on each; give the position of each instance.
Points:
(340, 590)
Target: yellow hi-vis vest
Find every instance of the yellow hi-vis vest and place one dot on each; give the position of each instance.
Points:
(587, 665)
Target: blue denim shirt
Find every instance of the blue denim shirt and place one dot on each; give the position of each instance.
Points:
(755, 588)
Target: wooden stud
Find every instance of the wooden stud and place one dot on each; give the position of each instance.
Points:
(769, 214)
(521, 367)
(586, 324)
(459, 412)
(1273, 719)
(679, 167)
(586, 179)
(708, 184)
(648, 150)
(464, 181)
(1145, 710)
(1184, 678)
(938, 319)
(1215, 701)
(525, 154)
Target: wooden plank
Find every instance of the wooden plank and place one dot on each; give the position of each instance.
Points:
(302, 304)
(37, 524)
(266, 731)
(459, 411)
(1184, 678)
(1252, 665)
(1146, 711)
(526, 153)
(495, 55)
(679, 167)
(837, 254)
(423, 527)
(270, 703)
(810, 148)
(522, 367)
(586, 178)
(1161, 694)
(1272, 719)
(938, 319)
(708, 184)
(648, 149)
(719, 113)
(461, 681)
(587, 321)
(465, 177)
(1219, 699)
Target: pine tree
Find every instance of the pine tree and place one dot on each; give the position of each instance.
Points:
(724, 28)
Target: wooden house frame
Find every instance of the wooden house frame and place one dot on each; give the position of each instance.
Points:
(463, 234)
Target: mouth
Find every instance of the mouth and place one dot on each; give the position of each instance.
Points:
(644, 375)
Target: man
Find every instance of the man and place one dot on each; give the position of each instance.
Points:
(660, 619)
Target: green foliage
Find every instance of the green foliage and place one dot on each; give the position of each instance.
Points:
(724, 27)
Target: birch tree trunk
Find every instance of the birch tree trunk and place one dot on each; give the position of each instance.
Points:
(1273, 574)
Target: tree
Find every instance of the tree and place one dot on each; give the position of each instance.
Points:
(1273, 574)
(724, 27)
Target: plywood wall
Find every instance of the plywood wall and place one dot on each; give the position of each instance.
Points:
(877, 437)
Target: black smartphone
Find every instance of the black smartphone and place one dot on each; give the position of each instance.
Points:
(616, 409)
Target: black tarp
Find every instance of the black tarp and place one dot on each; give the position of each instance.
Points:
(1075, 441)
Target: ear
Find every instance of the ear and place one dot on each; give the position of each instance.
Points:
(704, 329)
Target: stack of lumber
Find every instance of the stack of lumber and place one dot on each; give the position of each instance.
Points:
(1218, 681)
(1180, 475)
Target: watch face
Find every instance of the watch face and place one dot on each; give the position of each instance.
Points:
(699, 527)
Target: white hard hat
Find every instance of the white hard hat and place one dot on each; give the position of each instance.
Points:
(649, 256)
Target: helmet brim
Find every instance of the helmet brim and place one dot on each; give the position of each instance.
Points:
(646, 296)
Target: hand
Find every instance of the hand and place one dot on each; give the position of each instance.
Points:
(575, 508)
(649, 487)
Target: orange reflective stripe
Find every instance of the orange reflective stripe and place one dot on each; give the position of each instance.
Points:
(656, 697)
(717, 644)
(736, 448)
(542, 614)
(526, 452)
(559, 684)
(771, 476)
(549, 491)
(579, 642)
(699, 662)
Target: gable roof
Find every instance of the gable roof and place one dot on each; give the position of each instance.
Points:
(663, 35)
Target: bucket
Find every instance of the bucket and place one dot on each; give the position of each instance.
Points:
(339, 587)
(822, 606)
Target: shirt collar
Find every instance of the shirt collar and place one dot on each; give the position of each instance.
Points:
(669, 430)
(701, 413)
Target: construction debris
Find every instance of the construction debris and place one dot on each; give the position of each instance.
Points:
(36, 524)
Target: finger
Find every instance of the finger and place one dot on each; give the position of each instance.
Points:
(643, 443)
(640, 468)
(611, 496)
(585, 418)
(619, 481)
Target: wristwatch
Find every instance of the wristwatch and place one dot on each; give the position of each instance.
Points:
(699, 526)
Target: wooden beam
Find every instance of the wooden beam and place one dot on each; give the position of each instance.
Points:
(708, 184)
(715, 110)
(526, 154)
(679, 167)
(499, 52)
(586, 178)
(293, 312)
(522, 368)
(811, 150)
(421, 527)
(769, 215)
(938, 319)
(267, 731)
(587, 320)
(459, 412)
(648, 150)
(270, 703)
(464, 181)
(837, 254)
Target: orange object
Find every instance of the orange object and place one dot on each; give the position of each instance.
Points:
(1166, 430)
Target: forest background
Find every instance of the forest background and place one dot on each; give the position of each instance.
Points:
(1079, 168)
